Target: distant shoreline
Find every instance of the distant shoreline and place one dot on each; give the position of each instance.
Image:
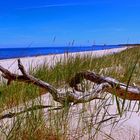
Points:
(35, 61)
(10, 53)
(127, 45)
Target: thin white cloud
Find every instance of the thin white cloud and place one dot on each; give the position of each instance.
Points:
(55, 5)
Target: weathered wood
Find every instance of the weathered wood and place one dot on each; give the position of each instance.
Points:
(112, 85)
(61, 97)
(36, 107)
(72, 96)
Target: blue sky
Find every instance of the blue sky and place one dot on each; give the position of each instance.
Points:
(59, 22)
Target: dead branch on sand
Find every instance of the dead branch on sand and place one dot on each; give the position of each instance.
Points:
(108, 84)
(61, 97)
(36, 107)
(103, 84)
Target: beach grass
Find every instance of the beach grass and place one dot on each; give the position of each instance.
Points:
(123, 66)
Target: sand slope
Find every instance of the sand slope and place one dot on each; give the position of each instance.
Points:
(130, 129)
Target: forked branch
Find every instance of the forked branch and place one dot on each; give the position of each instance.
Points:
(108, 85)
(103, 84)
(64, 98)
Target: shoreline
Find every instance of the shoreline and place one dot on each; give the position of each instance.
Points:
(7, 53)
(32, 62)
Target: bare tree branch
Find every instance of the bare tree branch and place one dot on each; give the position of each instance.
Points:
(11, 115)
(103, 84)
(112, 85)
(64, 97)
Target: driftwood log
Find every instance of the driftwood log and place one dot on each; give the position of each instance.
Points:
(103, 84)
(108, 84)
(64, 98)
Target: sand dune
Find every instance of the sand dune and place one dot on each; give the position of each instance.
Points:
(128, 130)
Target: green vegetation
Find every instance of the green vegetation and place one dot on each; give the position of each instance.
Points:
(124, 66)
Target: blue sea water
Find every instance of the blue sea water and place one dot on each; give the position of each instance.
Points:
(6, 53)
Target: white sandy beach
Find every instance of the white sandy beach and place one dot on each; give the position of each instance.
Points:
(11, 64)
(126, 131)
